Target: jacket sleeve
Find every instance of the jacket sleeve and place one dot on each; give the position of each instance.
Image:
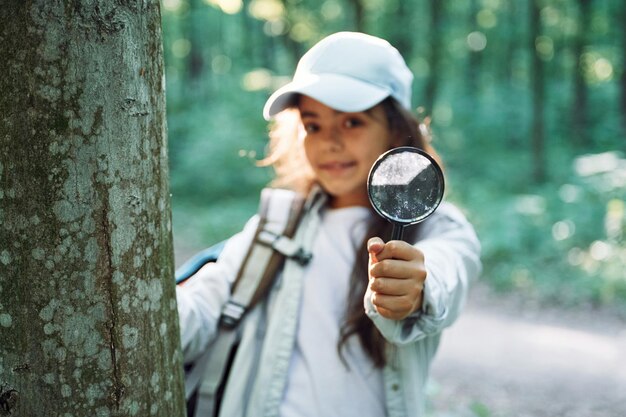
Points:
(452, 260)
(201, 298)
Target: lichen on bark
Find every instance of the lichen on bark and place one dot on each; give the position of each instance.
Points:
(86, 271)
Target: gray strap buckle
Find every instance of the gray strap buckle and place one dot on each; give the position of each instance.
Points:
(231, 314)
(286, 246)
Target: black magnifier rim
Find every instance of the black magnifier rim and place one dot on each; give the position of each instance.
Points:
(438, 171)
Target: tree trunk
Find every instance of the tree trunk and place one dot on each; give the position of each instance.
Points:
(436, 33)
(397, 19)
(359, 15)
(537, 74)
(88, 323)
(474, 64)
(196, 36)
(623, 76)
(294, 48)
(579, 112)
(515, 34)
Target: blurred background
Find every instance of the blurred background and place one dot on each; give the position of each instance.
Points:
(527, 101)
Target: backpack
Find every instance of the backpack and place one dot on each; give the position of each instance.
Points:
(279, 215)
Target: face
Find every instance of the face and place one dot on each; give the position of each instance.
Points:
(342, 147)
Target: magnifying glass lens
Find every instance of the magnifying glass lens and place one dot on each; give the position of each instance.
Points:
(405, 185)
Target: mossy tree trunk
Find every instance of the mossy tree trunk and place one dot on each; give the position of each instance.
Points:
(88, 323)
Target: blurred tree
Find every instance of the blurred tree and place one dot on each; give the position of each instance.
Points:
(359, 15)
(294, 48)
(623, 71)
(400, 24)
(580, 103)
(435, 52)
(475, 55)
(513, 48)
(196, 38)
(538, 95)
(88, 322)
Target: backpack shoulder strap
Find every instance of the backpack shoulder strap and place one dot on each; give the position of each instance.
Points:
(280, 212)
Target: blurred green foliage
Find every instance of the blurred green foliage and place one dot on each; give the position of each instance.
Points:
(530, 121)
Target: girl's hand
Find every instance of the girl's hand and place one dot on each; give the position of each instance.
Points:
(396, 277)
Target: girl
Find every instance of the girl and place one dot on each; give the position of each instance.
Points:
(353, 332)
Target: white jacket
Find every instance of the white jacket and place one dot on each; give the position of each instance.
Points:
(259, 372)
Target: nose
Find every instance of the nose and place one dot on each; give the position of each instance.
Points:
(335, 137)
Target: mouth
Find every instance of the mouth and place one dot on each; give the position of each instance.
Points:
(336, 166)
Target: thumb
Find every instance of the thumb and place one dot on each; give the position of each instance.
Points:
(375, 245)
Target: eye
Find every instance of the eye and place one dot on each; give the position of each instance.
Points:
(352, 122)
(311, 127)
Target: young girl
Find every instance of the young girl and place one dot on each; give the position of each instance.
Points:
(352, 333)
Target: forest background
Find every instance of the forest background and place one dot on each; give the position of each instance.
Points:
(527, 102)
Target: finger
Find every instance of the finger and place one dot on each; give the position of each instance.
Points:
(398, 249)
(374, 246)
(396, 305)
(394, 268)
(392, 286)
(388, 314)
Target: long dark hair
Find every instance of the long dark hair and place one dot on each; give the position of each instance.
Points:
(286, 155)
(407, 130)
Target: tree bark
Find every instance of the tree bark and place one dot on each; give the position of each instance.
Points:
(88, 322)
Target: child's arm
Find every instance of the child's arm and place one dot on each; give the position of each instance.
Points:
(201, 298)
(416, 291)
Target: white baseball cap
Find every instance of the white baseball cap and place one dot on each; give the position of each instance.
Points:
(349, 72)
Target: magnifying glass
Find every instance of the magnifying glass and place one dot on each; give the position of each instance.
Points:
(405, 186)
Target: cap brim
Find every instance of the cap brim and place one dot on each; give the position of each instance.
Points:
(335, 91)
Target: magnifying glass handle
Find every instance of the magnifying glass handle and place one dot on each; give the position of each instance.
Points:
(397, 231)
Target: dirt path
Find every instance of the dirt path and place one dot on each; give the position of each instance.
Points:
(504, 359)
